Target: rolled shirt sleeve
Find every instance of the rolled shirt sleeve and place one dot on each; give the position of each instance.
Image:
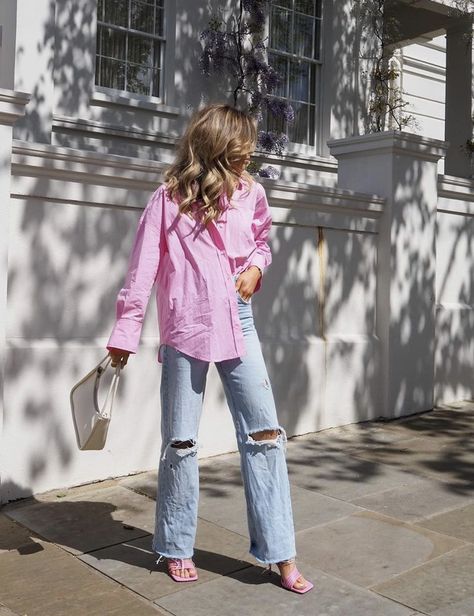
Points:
(133, 297)
(261, 225)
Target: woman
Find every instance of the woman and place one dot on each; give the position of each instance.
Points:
(202, 239)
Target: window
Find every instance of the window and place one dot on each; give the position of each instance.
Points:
(130, 46)
(294, 51)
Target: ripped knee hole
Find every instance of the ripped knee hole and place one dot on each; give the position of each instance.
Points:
(264, 435)
(183, 444)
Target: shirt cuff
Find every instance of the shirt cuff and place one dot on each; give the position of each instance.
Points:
(258, 260)
(125, 335)
(258, 263)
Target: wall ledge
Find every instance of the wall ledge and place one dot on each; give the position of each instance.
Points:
(12, 105)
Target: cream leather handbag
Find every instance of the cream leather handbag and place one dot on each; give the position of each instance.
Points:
(91, 423)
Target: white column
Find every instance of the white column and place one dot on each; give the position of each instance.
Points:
(458, 124)
(402, 168)
(12, 107)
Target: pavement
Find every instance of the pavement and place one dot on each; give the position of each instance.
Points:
(384, 520)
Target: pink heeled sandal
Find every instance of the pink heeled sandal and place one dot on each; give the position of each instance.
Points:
(180, 563)
(289, 580)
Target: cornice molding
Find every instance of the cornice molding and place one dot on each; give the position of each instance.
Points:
(12, 105)
(396, 142)
(64, 175)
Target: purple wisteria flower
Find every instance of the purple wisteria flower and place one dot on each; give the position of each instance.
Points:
(280, 108)
(237, 47)
(272, 142)
(269, 172)
(214, 50)
(256, 9)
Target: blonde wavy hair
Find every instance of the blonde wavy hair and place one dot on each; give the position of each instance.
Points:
(217, 138)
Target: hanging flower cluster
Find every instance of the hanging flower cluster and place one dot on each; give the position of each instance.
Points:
(235, 47)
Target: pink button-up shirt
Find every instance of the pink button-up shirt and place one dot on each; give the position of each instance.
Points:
(193, 268)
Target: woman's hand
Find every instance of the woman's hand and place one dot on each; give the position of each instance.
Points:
(118, 357)
(247, 281)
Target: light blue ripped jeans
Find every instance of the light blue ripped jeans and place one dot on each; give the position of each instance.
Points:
(263, 462)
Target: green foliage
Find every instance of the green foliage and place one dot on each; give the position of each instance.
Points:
(378, 29)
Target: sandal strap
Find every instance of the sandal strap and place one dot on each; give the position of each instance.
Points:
(181, 563)
(289, 580)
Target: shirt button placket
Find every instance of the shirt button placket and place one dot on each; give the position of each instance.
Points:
(228, 277)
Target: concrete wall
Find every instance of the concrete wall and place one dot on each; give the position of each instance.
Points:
(424, 84)
(69, 244)
(454, 367)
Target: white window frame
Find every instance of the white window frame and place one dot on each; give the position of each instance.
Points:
(111, 94)
(294, 147)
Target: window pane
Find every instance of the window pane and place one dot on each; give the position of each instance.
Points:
(111, 74)
(98, 61)
(159, 20)
(141, 16)
(138, 79)
(287, 4)
(100, 10)
(280, 65)
(304, 35)
(126, 61)
(116, 12)
(313, 75)
(140, 50)
(299, 80)
(305, 6)
(280, 29)
(111, 43)
(275, 123)
(297, 130)
(309, 7)
(156, 76)
(157, 54)
(143, 80)
(317, 39)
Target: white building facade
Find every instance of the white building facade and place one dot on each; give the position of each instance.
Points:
(367, 310)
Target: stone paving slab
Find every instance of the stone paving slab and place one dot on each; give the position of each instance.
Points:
(441, 587)
(4, 611)
(346, 477)
(367, 548)
(249, 592)
(42, 579)
(363, 433)
(222, 499)
(224, 504)
(217, 552)
(417, 501)
(142, 483)
(456, 523)
(427, 456)
(439, 423)
(60, 494)
(13, 536)
(83, 522)
(225, 469)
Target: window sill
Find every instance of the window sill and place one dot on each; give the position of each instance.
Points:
(101, 96)
(298, 158)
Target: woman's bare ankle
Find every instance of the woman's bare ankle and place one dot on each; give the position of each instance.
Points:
(286, 566)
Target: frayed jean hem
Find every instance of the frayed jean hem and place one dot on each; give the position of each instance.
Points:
(273, 560)
(168, 555)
